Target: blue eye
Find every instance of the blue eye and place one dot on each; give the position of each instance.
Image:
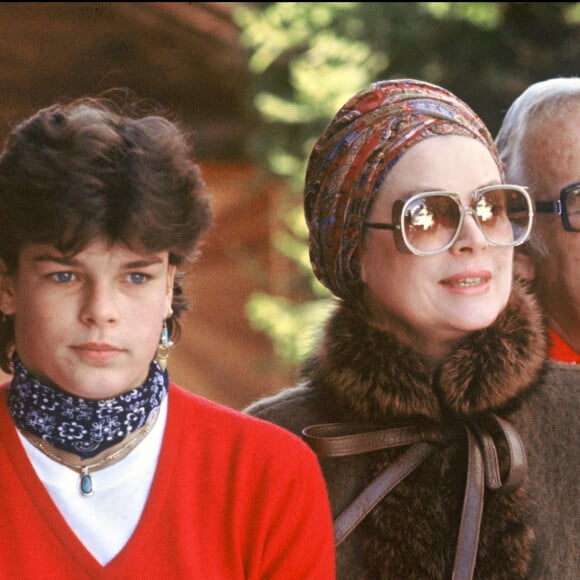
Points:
(62, 277)
(138, 277)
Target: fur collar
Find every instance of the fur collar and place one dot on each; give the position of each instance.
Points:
(372, 376)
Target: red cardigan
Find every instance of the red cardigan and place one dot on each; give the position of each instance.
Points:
(233, 497)
(561, 351)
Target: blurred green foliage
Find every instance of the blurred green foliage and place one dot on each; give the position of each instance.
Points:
(309, 58)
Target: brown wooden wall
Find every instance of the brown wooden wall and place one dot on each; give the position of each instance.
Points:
(219, 354)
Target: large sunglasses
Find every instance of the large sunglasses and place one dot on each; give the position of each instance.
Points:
(568, 207)
(429, 223)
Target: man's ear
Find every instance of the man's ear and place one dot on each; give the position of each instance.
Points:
(524, 265)
(7, 291)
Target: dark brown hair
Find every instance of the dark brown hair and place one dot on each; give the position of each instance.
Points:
(74, 172)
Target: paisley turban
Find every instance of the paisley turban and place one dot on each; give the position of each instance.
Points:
(351, 159)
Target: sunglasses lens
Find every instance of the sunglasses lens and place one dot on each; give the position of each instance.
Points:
(430, 222)
(503, 215)
(573, 208)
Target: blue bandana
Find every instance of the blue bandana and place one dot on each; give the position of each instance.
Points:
(85, 427)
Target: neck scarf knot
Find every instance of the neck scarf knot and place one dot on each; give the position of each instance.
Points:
(78, 425)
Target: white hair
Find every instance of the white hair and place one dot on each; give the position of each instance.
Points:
(538, 105)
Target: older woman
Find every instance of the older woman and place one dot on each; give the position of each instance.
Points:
(427, 390)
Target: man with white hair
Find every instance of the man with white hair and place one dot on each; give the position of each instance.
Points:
(539, 143)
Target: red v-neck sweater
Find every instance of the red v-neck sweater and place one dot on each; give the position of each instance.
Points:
(232, 497)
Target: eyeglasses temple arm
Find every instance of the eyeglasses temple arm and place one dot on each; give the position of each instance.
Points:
(381, 226)
(554, 207)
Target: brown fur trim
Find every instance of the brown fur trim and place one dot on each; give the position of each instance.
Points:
(373, 376)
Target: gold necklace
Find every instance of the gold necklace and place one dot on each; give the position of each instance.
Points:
(86, 486)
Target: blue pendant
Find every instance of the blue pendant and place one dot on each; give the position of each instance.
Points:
(86, 484)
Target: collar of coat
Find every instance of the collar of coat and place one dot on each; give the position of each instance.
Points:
(372, 376)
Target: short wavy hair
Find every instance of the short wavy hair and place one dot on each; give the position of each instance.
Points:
(90, 168)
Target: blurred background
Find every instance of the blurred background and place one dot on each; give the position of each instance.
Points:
(256, 83)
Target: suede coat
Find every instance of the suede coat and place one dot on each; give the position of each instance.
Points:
(365, 376)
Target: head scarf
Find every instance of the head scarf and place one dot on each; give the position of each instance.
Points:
(351, 159)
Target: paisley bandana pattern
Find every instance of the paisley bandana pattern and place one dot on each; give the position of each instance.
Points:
(349, 162)
(85, 427)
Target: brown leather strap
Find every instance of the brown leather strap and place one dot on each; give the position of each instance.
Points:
(517, 455)
(487, 445)
(347, 521)
(341, 439)
(468, 538)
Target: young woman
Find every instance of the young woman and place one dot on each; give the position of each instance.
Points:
(426, 392)
(108, 469)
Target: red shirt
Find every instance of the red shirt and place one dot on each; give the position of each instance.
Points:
(233, 498)
(560, 351)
